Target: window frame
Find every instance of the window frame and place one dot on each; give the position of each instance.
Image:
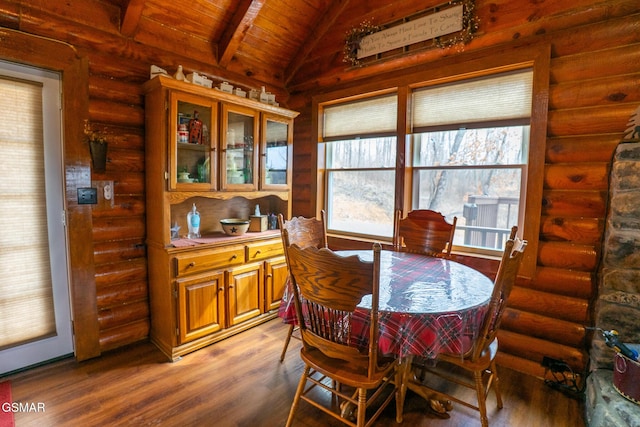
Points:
(329, 171)
(467, 65)
(523, 167)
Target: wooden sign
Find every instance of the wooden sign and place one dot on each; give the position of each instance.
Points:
(427, 27)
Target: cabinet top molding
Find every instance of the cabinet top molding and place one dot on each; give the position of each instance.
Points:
(171, 83)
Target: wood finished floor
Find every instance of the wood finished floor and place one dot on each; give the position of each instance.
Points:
(238, 382)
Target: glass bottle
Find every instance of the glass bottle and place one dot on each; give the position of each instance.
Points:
(193, 221)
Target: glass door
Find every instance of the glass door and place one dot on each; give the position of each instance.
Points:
(276, 155)
(35, 315)
(239, 159)
(193, 141)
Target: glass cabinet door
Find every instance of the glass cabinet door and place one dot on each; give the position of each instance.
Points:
(193, 141)
(276, 153)
(239, 163)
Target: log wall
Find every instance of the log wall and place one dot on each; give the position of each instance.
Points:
(117, 69)
(594, 87)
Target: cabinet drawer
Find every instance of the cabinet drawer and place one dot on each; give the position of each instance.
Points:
(263, 250)
(209, 260)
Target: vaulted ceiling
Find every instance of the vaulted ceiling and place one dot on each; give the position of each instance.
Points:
(267, 40)
(279, 42)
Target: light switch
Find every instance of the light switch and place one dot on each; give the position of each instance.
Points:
(87, 196)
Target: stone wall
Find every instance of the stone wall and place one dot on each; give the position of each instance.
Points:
(618, 303)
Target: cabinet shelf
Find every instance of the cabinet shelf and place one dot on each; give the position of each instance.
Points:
(177, 197)
(193, 147)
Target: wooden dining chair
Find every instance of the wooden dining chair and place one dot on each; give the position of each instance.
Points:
(424, 231)
(480, 359)
(327, 289)
(302, 232)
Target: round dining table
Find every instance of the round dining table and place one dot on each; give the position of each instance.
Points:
(427, 305)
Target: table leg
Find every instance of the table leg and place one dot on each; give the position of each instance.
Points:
(405, 379)
(402, 376)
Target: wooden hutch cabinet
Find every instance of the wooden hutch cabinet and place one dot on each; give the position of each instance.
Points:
(225, 155)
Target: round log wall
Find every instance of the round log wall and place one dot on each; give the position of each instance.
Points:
(594, 87)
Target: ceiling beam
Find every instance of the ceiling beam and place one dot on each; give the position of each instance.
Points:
(333, 12)
(130, 17)
(242, 20)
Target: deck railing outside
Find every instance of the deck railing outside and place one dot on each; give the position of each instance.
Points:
(488, 220)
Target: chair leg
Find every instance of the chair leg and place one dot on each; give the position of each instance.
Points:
(482, 398)
(496, 384)
(362, 407)
(286, 342)
(296, 398)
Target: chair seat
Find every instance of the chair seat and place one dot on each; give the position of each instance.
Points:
(480, 360)
(347, 373)
(487, 355)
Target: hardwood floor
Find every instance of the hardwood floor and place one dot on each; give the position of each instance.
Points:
(237, 382)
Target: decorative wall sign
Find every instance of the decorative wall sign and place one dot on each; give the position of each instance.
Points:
(455, 19)
(428, 27)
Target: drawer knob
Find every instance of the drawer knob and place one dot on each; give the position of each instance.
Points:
(191, 264)
(234, 256)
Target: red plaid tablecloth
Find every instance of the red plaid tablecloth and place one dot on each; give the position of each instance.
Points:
(427, 305)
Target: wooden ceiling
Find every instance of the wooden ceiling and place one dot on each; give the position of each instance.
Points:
(266, 40)
(279, 42)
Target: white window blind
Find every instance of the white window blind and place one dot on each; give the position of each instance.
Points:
(501, 97)
(374, 116)
(26, 299)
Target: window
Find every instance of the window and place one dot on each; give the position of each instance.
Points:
(470, 145)
(360, 160)
(473, 115)
(469, 156)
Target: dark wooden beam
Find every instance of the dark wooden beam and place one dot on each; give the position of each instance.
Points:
(242, 20)
(333, 12)
(130, 16)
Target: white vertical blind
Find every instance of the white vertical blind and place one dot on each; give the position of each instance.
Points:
(504, 96)
(26, 298)
(366, 117)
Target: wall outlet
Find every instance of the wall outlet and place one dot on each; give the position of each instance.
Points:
(105, 194)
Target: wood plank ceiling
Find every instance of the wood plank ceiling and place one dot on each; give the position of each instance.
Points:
(233, 34)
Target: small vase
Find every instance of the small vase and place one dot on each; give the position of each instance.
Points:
(179, 75)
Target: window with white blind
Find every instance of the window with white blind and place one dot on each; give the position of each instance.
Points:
(470, 138)
(470, 144)
(26, 295)
(466, 156)
(361, 149)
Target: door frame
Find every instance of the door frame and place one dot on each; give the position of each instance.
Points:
(61, 57)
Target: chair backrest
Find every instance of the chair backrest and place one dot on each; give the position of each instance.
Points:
(503, 283)
(303, 231)
(327, 289)
(424, 231)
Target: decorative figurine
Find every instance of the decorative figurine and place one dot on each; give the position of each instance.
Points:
(195, 129)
